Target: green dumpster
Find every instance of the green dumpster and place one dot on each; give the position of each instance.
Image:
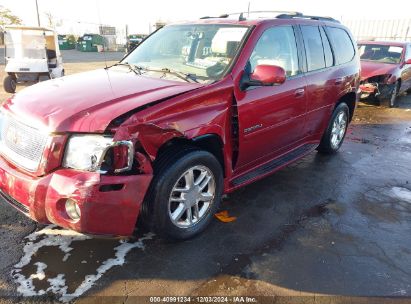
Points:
(67, 42)
(133, 41)
(91, 43)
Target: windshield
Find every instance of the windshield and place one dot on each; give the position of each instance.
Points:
(202, 51)
(25, 44)
(380, 53)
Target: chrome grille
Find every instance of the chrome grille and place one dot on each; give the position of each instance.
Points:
(21, 144)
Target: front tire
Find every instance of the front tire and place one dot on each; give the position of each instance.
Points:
(10, 84)
(184, 195)
(337, 128)
(392, 101)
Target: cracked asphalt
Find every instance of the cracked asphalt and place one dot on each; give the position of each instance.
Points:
(326, 225)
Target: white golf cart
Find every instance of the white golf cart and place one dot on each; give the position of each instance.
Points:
(32, 54)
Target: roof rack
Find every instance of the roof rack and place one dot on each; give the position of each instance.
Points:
(282, 15)
(243, 15)
(211, 17)
(299, 15)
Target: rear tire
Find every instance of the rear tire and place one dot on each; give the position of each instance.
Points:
(10, 84)
(184, 195)
(337, 128)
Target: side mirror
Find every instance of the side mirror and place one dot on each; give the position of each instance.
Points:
(265, 75)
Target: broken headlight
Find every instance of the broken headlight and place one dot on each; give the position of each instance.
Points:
(91, 152)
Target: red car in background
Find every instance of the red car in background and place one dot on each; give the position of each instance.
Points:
(385, 70)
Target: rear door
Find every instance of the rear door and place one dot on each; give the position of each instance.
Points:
(322, 82)
(271, 118)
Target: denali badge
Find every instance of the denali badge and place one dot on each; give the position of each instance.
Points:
(253, 128)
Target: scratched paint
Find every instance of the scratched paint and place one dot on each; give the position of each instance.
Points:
(66, 264)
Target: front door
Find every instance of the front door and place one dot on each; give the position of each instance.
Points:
(271, 118)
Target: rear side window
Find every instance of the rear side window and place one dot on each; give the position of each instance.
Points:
(342, 45)
(328, 54)
(313, 47)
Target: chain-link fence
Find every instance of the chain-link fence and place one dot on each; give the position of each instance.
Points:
(394, 30)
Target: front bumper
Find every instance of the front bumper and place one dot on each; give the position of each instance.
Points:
(109, 205)
(382, 91)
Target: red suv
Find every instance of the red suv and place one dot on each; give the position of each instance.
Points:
(197, 110)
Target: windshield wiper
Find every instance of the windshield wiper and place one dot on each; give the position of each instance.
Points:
(132, 67)
(138, 70)
(184, 76)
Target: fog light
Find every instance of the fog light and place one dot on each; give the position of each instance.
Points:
(73, 210)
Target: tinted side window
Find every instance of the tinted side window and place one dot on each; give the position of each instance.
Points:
(277, 46)
(328, 54)
(313, 47)
(342, 45)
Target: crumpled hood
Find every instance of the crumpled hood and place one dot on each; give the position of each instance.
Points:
(370, 69)
(88, 102)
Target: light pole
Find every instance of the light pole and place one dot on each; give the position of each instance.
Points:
(38, 16)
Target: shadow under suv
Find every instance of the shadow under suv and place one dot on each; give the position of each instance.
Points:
(196, 110)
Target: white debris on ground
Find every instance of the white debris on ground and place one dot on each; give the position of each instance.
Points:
(403, 194)
(406, 140)
(54, 236)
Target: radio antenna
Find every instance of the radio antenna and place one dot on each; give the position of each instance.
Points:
(100, 31)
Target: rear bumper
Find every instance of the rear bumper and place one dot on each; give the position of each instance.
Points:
(105, 209)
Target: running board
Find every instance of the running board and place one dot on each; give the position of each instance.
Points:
(274, 164)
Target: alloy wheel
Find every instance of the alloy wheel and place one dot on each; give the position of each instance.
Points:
(192, 197)
(338, 130)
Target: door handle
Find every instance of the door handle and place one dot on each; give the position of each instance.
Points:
(339, 80)
(299, 92)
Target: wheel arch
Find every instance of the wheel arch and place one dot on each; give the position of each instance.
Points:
(351, 100)
(210, 142)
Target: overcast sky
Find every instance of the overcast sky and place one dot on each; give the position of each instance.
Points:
(139, 14)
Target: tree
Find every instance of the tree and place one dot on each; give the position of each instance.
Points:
(71, 38)
(52, 21)
(7, 18)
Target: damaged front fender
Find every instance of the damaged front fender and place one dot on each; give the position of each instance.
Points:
(150, 136)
